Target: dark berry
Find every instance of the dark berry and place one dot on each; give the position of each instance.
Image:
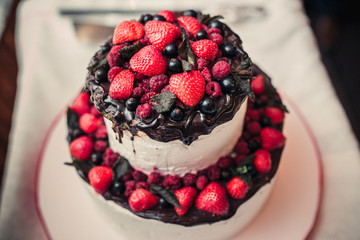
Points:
(177, 114)
(118, 188)
(228, 84)
(202, 34)
(253, 146)
(132, 103)
(101, 75)
(163, 203)
(226, 174)
(171, 50)
(251, 169)
(105, 48)
(229, 50)
(96, 158)
(175, 66)
(265, 121)
(208, 106)
(259, 103)
(159, 18)
(190, 13)
(145, 18)
(216, 24)
(214, 172)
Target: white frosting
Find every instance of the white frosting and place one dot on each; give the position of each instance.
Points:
(175, 157)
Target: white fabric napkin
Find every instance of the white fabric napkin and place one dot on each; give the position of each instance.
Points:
(53, 63)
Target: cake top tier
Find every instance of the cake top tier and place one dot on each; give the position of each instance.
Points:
(173, 76)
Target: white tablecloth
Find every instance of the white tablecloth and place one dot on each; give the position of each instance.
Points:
(53, 63)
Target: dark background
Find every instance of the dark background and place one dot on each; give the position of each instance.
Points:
(336, 25)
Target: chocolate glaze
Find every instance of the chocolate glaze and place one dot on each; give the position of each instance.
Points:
(159, 126)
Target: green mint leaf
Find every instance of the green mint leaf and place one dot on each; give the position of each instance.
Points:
(245, 85)
(121, 168)
(167, 194)
(163, 102)
(185, 51)
(129, 51)
(242, 75)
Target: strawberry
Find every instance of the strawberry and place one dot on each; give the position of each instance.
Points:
(190, 24)
(168, 15)
(122, 85)
(271, 138)
(205, 49)
(186, 196)
(141, 200)
(237, 188)
(188, 87)
(213, 199)
(258, 85)
(148, 61)
(275, 114)
(89, 123)
(161, 33)
(81, 103)
(81, 148)
(262, 161)
(100, 178)
(128, 31)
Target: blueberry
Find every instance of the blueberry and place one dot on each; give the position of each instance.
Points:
(163, 203)
(259, 103)
(229, 50)
(159, 18)
(101, 75)
(251, 169)
(201, 34)
(105, 48)
(208, 105)
(216, 24)
(253, 146)
(265, 121)
(145, 18)
(177, 114)
(171, 50)
(175, 65)
(131, 104)
(190, 13)
(226, 175)
(118, 188)
(96, 158)
(228, 84)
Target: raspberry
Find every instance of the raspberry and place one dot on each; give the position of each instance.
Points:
(216, 38)
(213, 89)
(109, 157)
(201, 182)
(239, 159)
(253, 127)
(142, 185)
(154, 178)
(202, 63)
(129, 187)
(214, 172)
(114, 58)
(94, 111)
(225, 162)
(213, 30)
(113, 72)
(139, 176)
(206, 74)
(242, 148)
(127, 177)
(204, 27)
(253, 114)
(100, 146)
(172, 182)
(143, 110)
(189, 179)
(145, 84)
(166, 89)
(220, 70)
(101, 132)
(246, 135)
(139, 76)
(223, 59)
(138, 92)
(147, 97)
(158, 82)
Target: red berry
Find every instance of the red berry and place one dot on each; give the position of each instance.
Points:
(141, 200)
(186, 196)
(100, 146)
(188, 87)
(128, 31)
(253, 127)
(113, 72)
(213, 30)
(139, 176)
(220, 70)
(213, 199)
(213, 89)
(109, 157)
(216, 38)
(206, 74)
(189, 179)
(138, 92)
(114, 58)
(172, 182)
(143, 110)
(242, 148)
(271, 138)
(205, 49)
(147, 97)
(81, 103)
(143, 185)
(258, 85)
(101, 132)
(275, 114)
(166, 89)
(148, 61)
(129, 187)
(214, 172)
(89, 123)
(190, 24)
(81, 148)
(239, 158)
(253, 114)
(121, 87)
(201, 182)
(94, 111)
(225, 162)
(100, 178)
(154, 178)
(168, 15)
(158, 82)
(262, 161)
(237, 188)
(161, 33)
(202, 63)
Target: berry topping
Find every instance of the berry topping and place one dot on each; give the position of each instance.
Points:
(100, 146)
(143, 110)
(138, 92)
(113, 72)
(228, 84)
(225, 162)
(81, 148)
(148, 61)
(265, 121)
(220, 70)
(213, 199)
(159, 18)
(271, 138)
(101, 132)
(201, 182)
(242, 148)
(171, 50)
(208, 105)
(216, 38)
(214, 172)
(175, 65)
(128, 31)
(100, 178)
(161, 34)
(185, 196)
(131, 104)
(163, 203)
(189, 179)
(213, 89)
(190, 24)
(145, 18)
(168, 15)
(216, 24)
(206, 74)
(205, 49)
(156, 83)
(237, 188)
(141, 200)
(109, 157)
(262, 161)
(121, 87)
(258, 85)
(177, 114)
(172, 182)
(201, 34)
(253, 127)
(101, 75)
(188, 87)
(191, 13)
(89, 123)
(154, 178)
(202, 63)
(81, 103)
(229, 50)
(275, 114)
